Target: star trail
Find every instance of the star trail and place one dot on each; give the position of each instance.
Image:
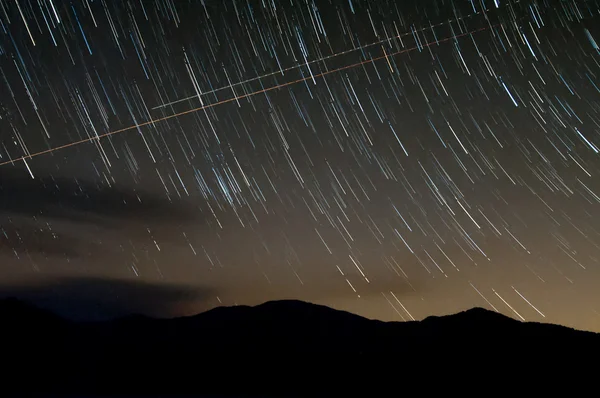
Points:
(397, 159)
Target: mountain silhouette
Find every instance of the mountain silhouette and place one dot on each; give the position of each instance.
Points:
(279, 348)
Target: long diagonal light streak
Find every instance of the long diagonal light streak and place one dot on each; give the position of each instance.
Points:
(283, 70)
(236, 98)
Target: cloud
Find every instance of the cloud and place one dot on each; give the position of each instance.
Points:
(66, 217)
(75, 199)
(94, 299)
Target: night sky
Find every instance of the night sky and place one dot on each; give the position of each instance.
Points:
(397, 159)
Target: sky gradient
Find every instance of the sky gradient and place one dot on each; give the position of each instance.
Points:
(394, 159)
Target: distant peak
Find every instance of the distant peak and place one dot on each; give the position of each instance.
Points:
(15, 303)
(480, 311)
(21, 309)
(298, 306)
(287, 303)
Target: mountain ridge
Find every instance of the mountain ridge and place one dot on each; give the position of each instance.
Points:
(241, 348)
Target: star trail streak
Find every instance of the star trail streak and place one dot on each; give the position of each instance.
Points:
(282, 71)
(225, 101)
(397, 159)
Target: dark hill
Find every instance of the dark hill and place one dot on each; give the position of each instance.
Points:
(277, 348)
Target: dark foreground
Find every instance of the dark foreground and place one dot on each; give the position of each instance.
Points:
(283, 348)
